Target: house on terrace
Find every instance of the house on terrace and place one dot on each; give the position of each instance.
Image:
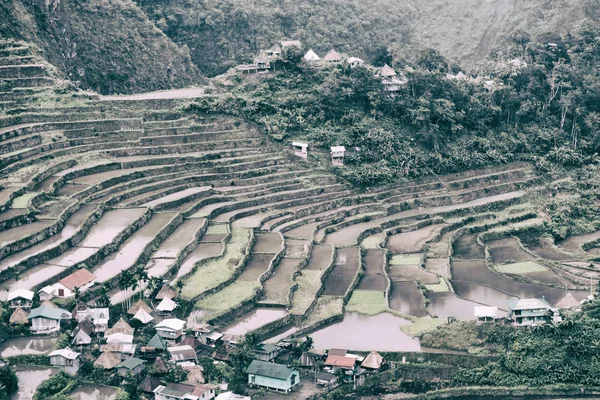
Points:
(20, 298)
(98, 316)
(82, 334)
(180, 391)
(46, 319)
(333, 57)
(170, 329)
(66, 359)
(272, 376)
(337, 155)
(81, 279)
(530, 312)
(300, 149)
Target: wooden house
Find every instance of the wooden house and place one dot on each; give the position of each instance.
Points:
(18, 317)
(345, 363)
(66, 359)
(133, 366)
(312, 357)
(166, 292)
(140, 304)
(272, 376)
(81, 279)
(124, 351)
(119, 338)
(325, 379)
(208, 335)
(569, 302)
(156, 344)
(170, 329)
(485, 314)
(183, 354)
(121, 326)
(311, 56)
(337, 155)
(300, 149)
(159, 367)
(98, 316)
(107, 360)
(148, 385)
(143, 316)
(45, 319)
(180, 391)
(333, 57)
(82, 334)
(166, 306)
(20, 298)
(46, 293)
(530, 312)
(354, 62)
(266, 352)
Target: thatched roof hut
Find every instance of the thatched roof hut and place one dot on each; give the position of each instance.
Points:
(332, 56)
(140, 304)
(19, 317)
(107, 360)
(149, 384)
(120, 327)
(568, 302)
(159, 366)
(166, 292)
(373, 361)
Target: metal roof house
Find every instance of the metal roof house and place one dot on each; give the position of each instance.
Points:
(530, 312)
(20, 298)
(45, 319)
(183, 354)
(180, 391)
(170, 329)
(65, 358)
(81, 279)
(485, 314)
(333, 56)
(354, 62)
(272, 376)
(337, 155)
(133, 366)
(311, 56)
(300, 149)
(266, 352)
(208, 335)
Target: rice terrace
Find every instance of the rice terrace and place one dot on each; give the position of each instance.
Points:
(202, 219)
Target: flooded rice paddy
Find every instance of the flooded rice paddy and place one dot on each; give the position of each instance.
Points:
(29, 379)
(413, 242)
(407, 298)
(110, 225)
(257, 265)
(94, 393)
(202, 251)
(26, 345)
(254, 320)
(344, 271)
(320, 257)
(374, 277)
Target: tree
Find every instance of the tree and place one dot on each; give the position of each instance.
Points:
(9, 380)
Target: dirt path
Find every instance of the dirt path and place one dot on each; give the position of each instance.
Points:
(166, 94)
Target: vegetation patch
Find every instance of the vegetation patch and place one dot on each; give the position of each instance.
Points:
(217, 229)
(308, 284)
(217, 271)
(326, 307)
(226, 299)
(370, 302)
(440, 287)
(23, 201)
(372, 241)
(422, 325)
(406, 259)
(520, 268)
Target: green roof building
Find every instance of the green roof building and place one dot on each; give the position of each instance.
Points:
(132, 366)
(272, 376)
(157, 343)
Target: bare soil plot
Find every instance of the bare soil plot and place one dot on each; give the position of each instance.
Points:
(202, 251)
(573, 244)
(340, 278)
(372, 242)
(374, 277)
(215, 233)
(407, 298)
(180, 238)
(467, 248)
(104, 176)
(412, 242)
(411, 273)
(302, 232)
(309, 282)
(441, 247)
(256, 266)
(12, 235)
(70, 189)
(320, 257)
(438, 266)
(54, 209)
(546, 250)
(110, 225)
(296, 248)
(277, 287)
(131, 249)
(507, 250)
(267, 243)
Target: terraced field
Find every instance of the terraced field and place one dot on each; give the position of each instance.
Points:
(210, 202)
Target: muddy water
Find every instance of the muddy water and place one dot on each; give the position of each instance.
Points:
(349, 234)
(26, 345)
(406, 298)
(11, 235)
(447, 304)
(181, 237)
(320, 257)
(110, 225)
(302, 232)
(507, 250)
(476, 272)
(296, 248)
(29, 379)
(94, 393)
(482, 294)
(277, 287)
(204, 250)
(340, 278)
(131, 249)
(267, 243)
(73, 256)
(413, 242)
(257, 265)
(30, 278)
(281, 334)
(254, 320)
(374, 277)
(467, 248)
(71, 227)
(176, 196)
(365, 333)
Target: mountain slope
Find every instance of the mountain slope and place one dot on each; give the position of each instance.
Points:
(108, 46)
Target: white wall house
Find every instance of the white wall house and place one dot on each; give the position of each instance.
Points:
(337, 155)
(66, 359)
(46, 319)
(170, 329)
(300, 149)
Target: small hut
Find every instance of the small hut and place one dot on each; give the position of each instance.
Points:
(20, 298)
(133, 366)
(311, 56)
(166, 292)
(143, 316)
(387, 72)
(82, 334)
(567, 302)
(337, 155)
(159, 367)
(149, 384)
(373, 361)
(354, 62)
(156, 344)
(166, 306)
(107, 360)
(120, 327)
(140, 304)
(300, 149)
(19, 317)
(333, 56)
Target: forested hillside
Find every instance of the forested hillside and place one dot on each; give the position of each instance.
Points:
(107, 46)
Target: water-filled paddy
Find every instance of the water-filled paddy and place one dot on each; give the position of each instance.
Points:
(27, 345)
(110, 225)
(340, 278)
(406, 298)
(257, 265)
(254, 320)
(507, 250)
(413, 242)
(374, 277)
(320, 257)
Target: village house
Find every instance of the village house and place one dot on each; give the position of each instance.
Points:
(337, 155)
(311, 56)
(486, 314)
(165, 292)
(143, 316)
(98, 316)
(121, 326)
(170, 329)
(124, 351)
(107, 361)
(272, 376)
(166, 306)
(208, 335)
(354, 62)
(46, 319)
(183, 354)
(66, 359)
(82, 334)
(530, 312)
(273, 52)
(195, 374)
(81, 279)
(373, 361)
(325, 378)
(156, 344)
(232, 396)
(133, 366)
(342, 362)
(119, 337)
(148, 385)
(140, 304)
(176, 391)
(46, 293)
(300, 149)
(333, 57)
(20, 298)
(266, 352)
(311, 357)
(18, 317)
(160, 367)
(569, 303)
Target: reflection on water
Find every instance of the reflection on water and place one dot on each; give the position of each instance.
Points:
(29, 380)
(255, 319)
(26, 345)
(365, 333)
(94, 393)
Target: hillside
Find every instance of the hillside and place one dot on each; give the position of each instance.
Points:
(108, 46)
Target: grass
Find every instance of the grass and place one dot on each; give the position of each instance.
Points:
(372, 241)
(23, 201)
(217, 229)
(420, 326)
(308, 284)
(460, 336)
(326, 307)
(406, 259)
(226, 299)
(369, 302)
(218, 270)
(440, 287)
(523, 267)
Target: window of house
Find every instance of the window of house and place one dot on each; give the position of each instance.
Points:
(293, 379)
(61, 292)
(253, 379)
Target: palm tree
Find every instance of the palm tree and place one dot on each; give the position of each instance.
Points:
(141, 275)
(126, 281)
